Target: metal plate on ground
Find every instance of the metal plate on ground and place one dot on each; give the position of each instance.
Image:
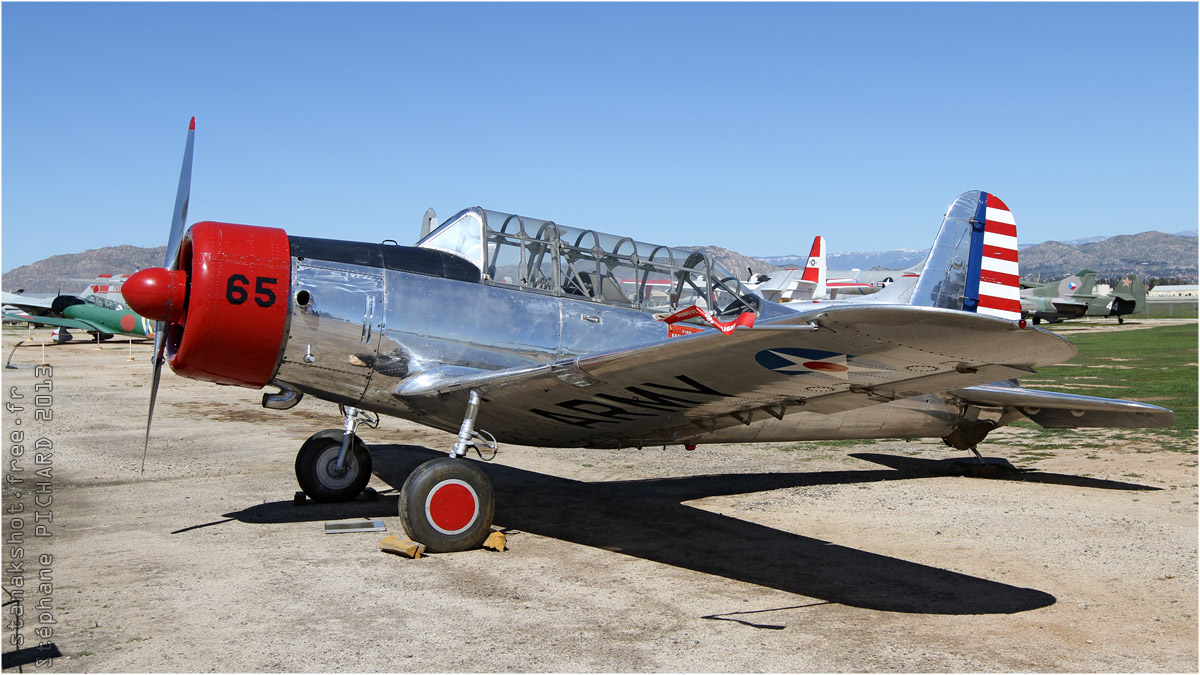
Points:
(355, 525)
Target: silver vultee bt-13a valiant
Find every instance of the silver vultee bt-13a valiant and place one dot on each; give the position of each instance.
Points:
(506, 328)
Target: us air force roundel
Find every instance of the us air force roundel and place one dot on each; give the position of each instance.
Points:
(796, 361)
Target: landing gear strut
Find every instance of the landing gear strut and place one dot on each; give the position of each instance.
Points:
(448, 503)
(967, 437)
(334, 465)
(978, 456)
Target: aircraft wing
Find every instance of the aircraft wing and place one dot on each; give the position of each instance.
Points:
(822, 360)
(1067, 411)
(26, 303)
(77, 324)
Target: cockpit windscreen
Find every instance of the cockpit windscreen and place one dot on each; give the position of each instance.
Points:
(542, 256)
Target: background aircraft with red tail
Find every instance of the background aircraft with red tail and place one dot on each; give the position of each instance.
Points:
(815, 282)
(812, 282)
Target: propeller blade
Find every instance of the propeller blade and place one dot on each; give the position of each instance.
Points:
(179, 216)
(171, 262)
(160, 346)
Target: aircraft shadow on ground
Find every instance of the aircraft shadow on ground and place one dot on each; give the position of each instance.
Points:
(648, 519)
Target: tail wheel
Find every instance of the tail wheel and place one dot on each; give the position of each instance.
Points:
(317, 471)
(447, 504)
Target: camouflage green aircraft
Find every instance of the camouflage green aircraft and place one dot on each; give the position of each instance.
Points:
(1074, 297)
(1127, 297)
(95, 314)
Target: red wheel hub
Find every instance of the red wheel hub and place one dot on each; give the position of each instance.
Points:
(452, 506)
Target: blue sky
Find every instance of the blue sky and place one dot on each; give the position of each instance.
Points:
(749, 126)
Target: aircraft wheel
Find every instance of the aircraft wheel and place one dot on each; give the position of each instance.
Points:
(316, 467)
(447, 504)
(1120, 319)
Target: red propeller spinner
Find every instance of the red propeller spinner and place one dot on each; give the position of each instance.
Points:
(157, 294)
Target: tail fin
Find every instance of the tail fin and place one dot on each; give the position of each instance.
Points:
(811, 285)
(973, 264)
(1132, 290)
(1082, 283)
(1087, 283)
(106, 286)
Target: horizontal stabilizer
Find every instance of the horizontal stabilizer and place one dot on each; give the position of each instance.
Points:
(1057, 410)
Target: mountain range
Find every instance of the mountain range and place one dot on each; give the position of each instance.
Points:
(70, 272)
(887, 260)
(1150, 254)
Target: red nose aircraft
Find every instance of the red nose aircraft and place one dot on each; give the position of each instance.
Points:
(555, 336)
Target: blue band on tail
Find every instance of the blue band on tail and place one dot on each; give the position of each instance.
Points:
(975, 257)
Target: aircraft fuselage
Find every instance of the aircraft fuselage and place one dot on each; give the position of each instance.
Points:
(366, 334)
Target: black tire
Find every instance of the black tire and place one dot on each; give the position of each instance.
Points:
(315, 467)
(447, 504)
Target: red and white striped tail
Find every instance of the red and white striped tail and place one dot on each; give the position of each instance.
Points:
(1000, 278)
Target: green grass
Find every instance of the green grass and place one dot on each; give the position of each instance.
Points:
(1155, 365)
(1034, 456)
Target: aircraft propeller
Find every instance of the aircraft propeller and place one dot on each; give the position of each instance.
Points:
(170, 262)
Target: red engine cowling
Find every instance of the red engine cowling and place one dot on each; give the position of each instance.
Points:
(226, 306)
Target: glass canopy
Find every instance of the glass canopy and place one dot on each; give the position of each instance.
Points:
(541, 256)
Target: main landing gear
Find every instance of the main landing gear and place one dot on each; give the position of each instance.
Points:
(446, 503)
(967, 436)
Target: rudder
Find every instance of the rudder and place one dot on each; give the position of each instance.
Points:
(812, 283)
(973, 264)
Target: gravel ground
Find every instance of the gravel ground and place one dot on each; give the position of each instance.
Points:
(771, 557)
